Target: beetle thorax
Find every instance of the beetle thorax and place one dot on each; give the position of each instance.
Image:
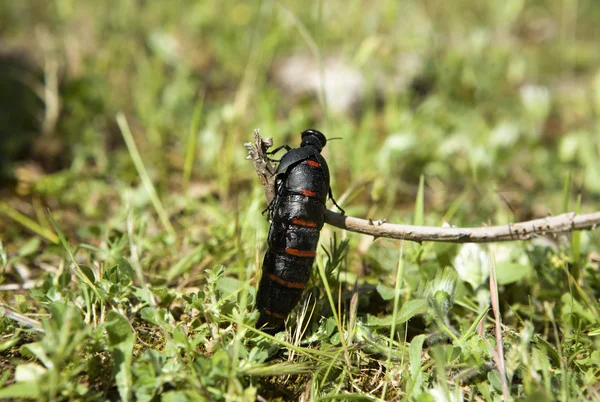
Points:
(313, 138)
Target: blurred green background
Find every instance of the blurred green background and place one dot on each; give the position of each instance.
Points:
(494, 104)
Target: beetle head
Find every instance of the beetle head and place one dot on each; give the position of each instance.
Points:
(314, 138)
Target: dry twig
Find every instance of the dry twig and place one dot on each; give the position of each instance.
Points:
(566, 222)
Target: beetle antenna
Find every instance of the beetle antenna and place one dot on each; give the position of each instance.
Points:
(335, 138)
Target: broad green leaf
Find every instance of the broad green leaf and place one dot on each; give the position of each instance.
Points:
(408, 310)
(229, 286)
(36, 349)
(386, 292)
(452, 353)
(174, 396)
(29, 247)
(121, 339)
(88, 272)
(508, 272)
(412, 308)
(10, 342)
(495, 379)
(512, 263)
(19, 391)
(416, 346)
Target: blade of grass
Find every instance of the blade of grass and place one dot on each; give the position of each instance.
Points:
(566, 193)
(576, 244)
(314, 49)
(419, 203)
(500, 363)
(77, 269)
(135, 260)
(332, 305)
(28, 223)
(6, 311)
(456, 204)
(586, 296)
(40, 214)
(144, 176)
(278, 369)
(190, 149)
(322, 357)
(473, 327)
(395, 312)
(563, 369)
(3, 257)
(186, 262)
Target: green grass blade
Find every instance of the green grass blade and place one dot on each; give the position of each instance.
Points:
(332, 305)
(576, 244)
(566, 192)
(190, 149)
(28, 223)
(419, 203)
(144, 176)
(396, 311)
(77, 269)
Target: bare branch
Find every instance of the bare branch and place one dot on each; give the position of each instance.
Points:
(486, 234)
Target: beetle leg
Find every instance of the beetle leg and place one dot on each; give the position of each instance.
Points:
(335, 203)
(287, 148)
(269, 208)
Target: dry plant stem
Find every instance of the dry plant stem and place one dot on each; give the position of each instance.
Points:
(486, 234)
(566, 222)
(257, 153)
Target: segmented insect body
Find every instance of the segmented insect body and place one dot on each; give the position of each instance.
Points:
(297, 216)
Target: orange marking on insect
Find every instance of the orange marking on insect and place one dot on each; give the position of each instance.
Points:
(308, 193)
(300, 222)
(300, 253)
(283, 282)
(276, 315)
(313, 163)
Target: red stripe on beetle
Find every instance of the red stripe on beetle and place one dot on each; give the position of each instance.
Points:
(301, 222)
(283, 282)
(272, 314)
(308, 193)
(300, 253)
(313, 163)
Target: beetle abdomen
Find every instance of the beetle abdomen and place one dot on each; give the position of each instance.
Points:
(297, 216)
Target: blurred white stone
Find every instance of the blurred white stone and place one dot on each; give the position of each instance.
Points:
(342, 84)
(408, 66)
